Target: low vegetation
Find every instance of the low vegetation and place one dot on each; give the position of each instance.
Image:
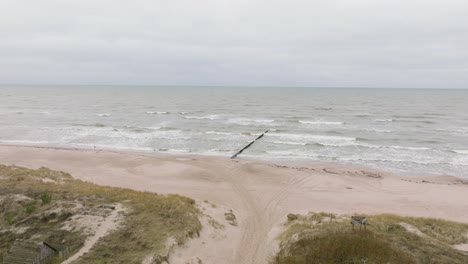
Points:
(327, 238)
(40, 204)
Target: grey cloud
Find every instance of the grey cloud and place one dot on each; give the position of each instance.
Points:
(360, 43)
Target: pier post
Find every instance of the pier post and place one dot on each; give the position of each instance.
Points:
(250, 144)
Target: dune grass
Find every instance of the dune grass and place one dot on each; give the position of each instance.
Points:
(314, 239)
(35, 204)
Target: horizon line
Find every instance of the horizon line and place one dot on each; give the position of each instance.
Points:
(230, 86)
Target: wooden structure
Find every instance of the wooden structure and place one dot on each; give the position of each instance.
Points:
(359, 221)
(29, 252)
(250, 144)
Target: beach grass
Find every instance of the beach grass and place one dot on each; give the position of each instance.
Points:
(313, 238)
(36, 204)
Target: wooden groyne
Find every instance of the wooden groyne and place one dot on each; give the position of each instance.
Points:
(250, 144)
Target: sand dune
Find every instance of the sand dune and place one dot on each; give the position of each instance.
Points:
(260, 194)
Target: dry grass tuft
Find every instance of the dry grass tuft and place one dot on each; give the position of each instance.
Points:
(309, 239)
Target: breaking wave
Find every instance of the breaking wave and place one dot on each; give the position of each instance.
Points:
(248, 121)
(384, 120)
(103, 115)
(157, 113)
(320, 122)
(208, 117)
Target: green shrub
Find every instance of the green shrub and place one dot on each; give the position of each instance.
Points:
(30, 208)
(9, 218)
(46, 198)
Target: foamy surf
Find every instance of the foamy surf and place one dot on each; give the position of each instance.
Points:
(454, 131)
(28, 142)
(377, 130)
(384, 120)
(176, 151)
(460, 151)
(208, 117)
(222, 133)
(307, 137)
(319, 126)
(287, 143)
(156, 113)
(332, 123)
(249, 121)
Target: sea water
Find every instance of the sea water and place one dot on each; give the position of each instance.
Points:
(416, 131)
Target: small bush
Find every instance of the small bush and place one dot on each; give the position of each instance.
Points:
(30, 208)
(9, 218)
(46, 198)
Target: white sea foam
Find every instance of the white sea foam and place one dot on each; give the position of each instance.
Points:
(383, 120)
(364, 145)
(320, 122)
(408, 148)
(208, 117)
(28, 142)
(103, 115)
(292, 152)
(459, 162)
(461, 151)
(377, 130)
(249, 121)
(221, 133)
(367, 159)
(421, 160)
(111, 147)
(157, 113)
(184, 113)
(217, 152)
(363, 114)
(125, 134)
(313, 138)
(287, 143)
(456, 131)
(175, 150)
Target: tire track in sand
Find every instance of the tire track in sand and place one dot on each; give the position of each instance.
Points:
(258, 216)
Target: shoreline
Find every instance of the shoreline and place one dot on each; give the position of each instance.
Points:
(259, 194)
(159, 153)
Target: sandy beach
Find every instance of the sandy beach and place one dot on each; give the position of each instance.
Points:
(260, 194)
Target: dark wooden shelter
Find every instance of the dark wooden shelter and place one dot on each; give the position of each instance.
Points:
(29, 252)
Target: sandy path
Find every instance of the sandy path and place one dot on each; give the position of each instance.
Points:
(109, 224)
(259, 217)
(260, 194)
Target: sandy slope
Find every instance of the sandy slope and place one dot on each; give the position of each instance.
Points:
(109, 224)
(260, 194)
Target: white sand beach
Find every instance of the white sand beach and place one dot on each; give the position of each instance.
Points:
(260, 194)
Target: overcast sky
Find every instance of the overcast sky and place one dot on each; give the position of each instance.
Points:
(321, 43)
